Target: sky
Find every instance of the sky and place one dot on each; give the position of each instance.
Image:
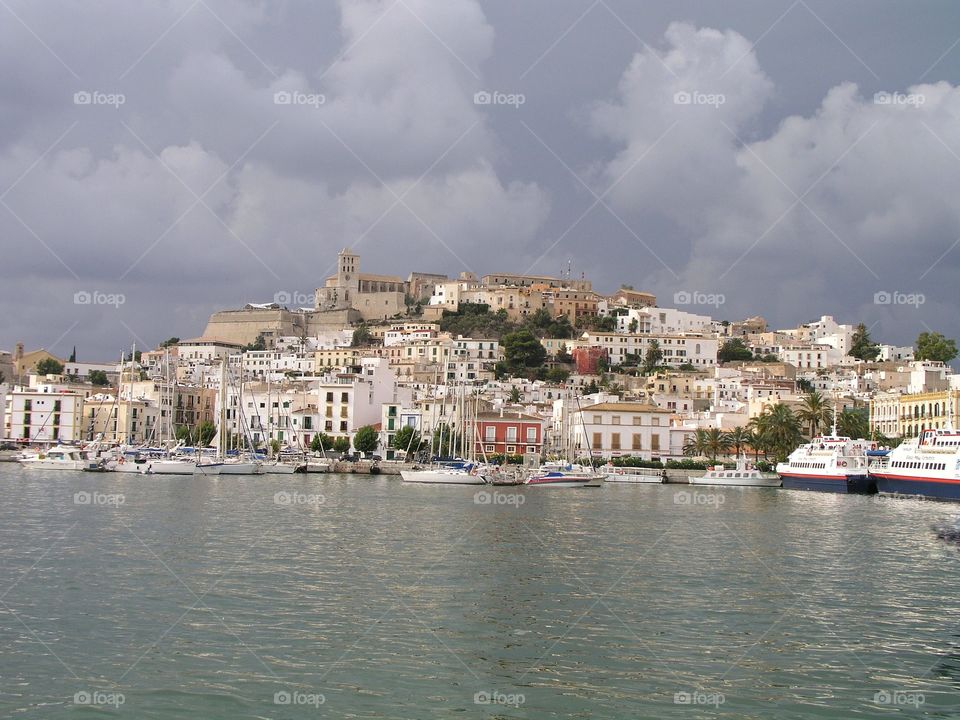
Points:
(784, 158)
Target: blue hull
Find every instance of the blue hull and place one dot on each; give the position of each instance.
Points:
(848, 485)
(923, 488)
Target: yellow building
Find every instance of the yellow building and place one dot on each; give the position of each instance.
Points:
(911, 413)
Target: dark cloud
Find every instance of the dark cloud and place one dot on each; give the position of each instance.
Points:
(199, 191)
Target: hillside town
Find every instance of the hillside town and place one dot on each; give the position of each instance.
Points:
(553, 367)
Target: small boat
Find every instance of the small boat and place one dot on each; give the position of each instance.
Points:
(565, 475)
(457, 473)
(228, 467)
(317, 465)
(633, 475)
(59, 457)
(744, 475)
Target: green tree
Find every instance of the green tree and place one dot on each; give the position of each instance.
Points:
(514, 395)
(934, 346)
(861, 346)
(170, 342)
(362, 336)
(321, 442)
(696, 446)
(815, 413)
(73, 355)
(445, 441)
(739, 438)
(652, 357)
(341, 444)
(717, 443)
(523, 350)
(557, 375)
(733, 350)
(407, 439)
(854, 423)
(779, 430)
(366, 439)
(275, 446)
(804, 385)
(633, 326)
(98, 378)
(205, 432)
(49, 366)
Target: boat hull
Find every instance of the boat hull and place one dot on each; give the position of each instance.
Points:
(634, 478)
(57, 464)
(844, 484)
(562, 480)
(282, 468)
(920, 487)
(772, 481)
(241, 468)
(440, 477)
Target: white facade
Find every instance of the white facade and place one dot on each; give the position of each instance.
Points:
(46, 415)
(696, 350)
(662, 321)
(613, 429)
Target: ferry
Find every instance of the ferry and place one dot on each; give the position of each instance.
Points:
(830, 463)
(926, 466)
(745, 475)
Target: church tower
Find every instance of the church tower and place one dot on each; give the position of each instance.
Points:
(348, 277)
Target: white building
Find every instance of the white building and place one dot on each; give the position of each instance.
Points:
(696, 350)
(613, 429)
(661, 321)
(46, 415)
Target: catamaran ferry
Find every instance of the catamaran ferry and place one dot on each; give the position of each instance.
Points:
(927, 466)
(831, 463)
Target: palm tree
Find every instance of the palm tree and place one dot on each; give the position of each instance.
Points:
(739, 438)
(697, 446)
(717, 443)
(781, 430)
(815, 412)
(853, 424)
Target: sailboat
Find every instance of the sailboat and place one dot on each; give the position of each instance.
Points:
(221, 464)
(565, 473)
(451, 472)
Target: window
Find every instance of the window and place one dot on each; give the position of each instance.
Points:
(511, 449)
(343, 426)
(615, 441)
(329, 397)
(512, 434)
(531, 434)
(637, 442)
(655, 421)
(598, 420)
(654, 442)
(531, 449)
(597, 441)
(488, 448)
(615, 420)
(637, 420)
(490, 433)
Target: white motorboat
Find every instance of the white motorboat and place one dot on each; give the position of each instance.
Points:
(632, 475)
(59, 457)
(565, 475)
(455, 474)
(745, 475)
(228, 467)
(283, 467)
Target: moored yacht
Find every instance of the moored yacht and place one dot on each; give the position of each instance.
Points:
(456, 473)
(59, 457)
(565, 475)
